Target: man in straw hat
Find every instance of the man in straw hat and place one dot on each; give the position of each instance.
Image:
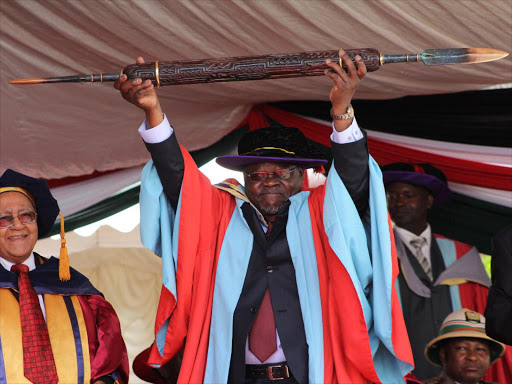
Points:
(55, 327)
(462, 349)
(270, 282)
(437, 275)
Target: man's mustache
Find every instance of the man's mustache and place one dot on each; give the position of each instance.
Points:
(272, 190)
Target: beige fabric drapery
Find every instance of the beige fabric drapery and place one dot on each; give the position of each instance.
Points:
(60, 130)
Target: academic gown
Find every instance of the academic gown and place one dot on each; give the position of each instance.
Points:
(352, 321)
(84, 330)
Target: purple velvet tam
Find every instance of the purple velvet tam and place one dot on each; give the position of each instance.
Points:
(275, 145)
(238, 163)
(422, 175)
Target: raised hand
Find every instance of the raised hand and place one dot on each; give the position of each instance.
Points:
(345, 83)
(141, 94)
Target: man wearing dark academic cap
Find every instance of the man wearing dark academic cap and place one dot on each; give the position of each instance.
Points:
(55, 327)
(273, 281)
(437, 275)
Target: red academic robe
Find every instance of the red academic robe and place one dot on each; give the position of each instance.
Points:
(205, 213)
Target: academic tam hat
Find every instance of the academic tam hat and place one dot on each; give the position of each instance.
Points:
(422, 175)
(47, 208)
(275, 144)
(462, 323)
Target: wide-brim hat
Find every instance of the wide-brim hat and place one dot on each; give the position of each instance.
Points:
(422, 175)
(275, 144)
(38, 192)
(462, 323)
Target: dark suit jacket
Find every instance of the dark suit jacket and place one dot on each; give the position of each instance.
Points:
(351, 163)
(498, 312)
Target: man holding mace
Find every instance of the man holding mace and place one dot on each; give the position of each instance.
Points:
(273, 281)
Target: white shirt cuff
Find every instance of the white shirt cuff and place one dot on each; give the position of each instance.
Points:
(349, 135)
(156, 134)
(164, 130)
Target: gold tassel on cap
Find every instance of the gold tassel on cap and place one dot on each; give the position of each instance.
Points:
(64, 274)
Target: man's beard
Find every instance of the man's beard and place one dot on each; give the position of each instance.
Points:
(269, 209)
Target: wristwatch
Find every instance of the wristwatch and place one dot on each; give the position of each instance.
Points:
(348, 115)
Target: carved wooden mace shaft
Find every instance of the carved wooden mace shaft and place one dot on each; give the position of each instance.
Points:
(277, 66)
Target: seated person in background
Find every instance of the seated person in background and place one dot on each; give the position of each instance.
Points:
(499, 302)
(437, 275)
(55, 327)
(463, 349)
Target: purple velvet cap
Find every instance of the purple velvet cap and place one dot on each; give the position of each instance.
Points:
(275, 144)
(238, 163)
(433, 184)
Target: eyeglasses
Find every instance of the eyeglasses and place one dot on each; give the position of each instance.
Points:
(280, 174)
(24, 218)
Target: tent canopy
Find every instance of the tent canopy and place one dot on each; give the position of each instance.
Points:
(61, 130)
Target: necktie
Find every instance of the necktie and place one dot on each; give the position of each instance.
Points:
(38, 363)
(417, 244)
(262, 336)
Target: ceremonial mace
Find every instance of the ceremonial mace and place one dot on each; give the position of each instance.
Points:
(278, 66)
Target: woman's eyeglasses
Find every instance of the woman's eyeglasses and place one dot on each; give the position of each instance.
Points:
(24, 218)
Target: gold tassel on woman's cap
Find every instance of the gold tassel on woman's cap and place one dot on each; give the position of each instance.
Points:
(64, 274)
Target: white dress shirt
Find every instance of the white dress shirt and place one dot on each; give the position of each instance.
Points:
(407, 236)
(164, 130)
